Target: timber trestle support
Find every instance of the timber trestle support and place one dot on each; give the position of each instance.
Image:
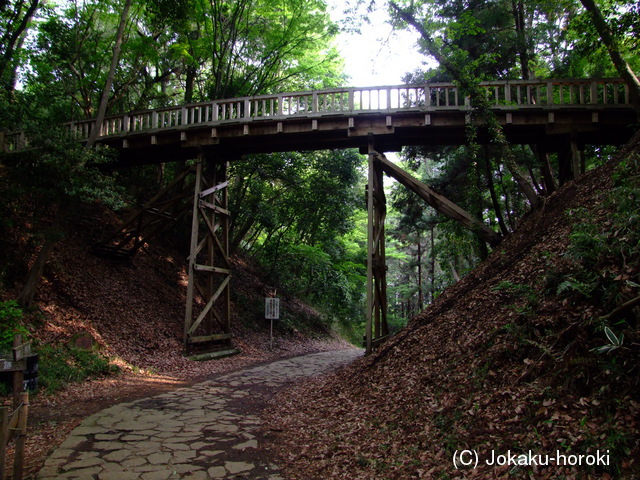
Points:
(208, 309)
(377, 329)
(155, 215)
(204, 188)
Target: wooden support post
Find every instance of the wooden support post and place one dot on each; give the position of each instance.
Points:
(576, 160)
(4, 439)
(547, 170)
(376, 319)
(370, 284)
(209, 319)
(437, 201)
(565, 162)
(18, 458)
(195, 225)
(381, 329)
(18, 376)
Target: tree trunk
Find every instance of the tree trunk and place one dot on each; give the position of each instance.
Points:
(624, 69)
(517, 8)
(11, 40)
(420, 293)
(52, 236)
(545, 167)
(492, 191)
(478, 100)
(115, 59)
(507, 202)
(28, 292)
(432, 265)
(189, 84)
(454, 271)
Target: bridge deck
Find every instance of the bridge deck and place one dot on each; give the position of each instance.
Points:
(532, 112)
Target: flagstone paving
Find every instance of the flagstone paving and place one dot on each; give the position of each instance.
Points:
(208, 431)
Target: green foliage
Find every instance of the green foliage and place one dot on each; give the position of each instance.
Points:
(296, 214)
(516, 289)
(615, 342)
(526, 303)
(46, 182)
(604, 255)
(182, 50)
(10, 316)
(60, 168)
(447, 250)
(584, 287)
(61, 365)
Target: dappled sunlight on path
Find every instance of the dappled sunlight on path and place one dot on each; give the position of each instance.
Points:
(210, 430)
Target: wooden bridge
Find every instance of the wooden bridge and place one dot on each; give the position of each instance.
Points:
(553, 115)
(532, 112)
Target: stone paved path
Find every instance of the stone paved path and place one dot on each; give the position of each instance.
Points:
(201, 432)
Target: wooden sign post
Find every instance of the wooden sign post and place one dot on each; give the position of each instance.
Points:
(272, 312)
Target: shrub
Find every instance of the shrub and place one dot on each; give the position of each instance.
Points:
(10, 316)
(60, 365)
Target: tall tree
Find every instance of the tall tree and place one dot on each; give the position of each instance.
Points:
(454, 65)
(27, 295)
(15, 18)
(611, 43)
(106, 92)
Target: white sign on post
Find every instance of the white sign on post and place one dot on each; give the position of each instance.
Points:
(272, 312)
(272, 308)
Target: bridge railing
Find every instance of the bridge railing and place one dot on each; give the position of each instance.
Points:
(515, 94)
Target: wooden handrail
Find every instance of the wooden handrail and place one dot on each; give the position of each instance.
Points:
(430, 97)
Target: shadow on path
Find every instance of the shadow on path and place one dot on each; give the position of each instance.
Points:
(207, 431)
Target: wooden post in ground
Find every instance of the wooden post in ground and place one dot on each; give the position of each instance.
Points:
(18, 376)
(576, 160)
(4, 439)
(370, 285)
(209, 320)
(381, 329)
(376, 326)
(195, 226)
(18, 458)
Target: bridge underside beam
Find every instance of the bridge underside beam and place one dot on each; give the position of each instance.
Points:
(544, 127)
(208, 312)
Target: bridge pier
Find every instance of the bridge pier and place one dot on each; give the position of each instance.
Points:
(570, 155)
(377, 328)
(208, 311)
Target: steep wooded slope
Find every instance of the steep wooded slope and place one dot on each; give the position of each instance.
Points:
(135, 309)
(499, 362)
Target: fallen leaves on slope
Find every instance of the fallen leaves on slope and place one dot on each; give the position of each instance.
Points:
(493, 366)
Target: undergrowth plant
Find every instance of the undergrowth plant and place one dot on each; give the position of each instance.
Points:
(605, 256)
(10, 317)
(60, 365)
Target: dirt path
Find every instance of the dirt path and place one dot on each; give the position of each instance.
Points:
(207, 431)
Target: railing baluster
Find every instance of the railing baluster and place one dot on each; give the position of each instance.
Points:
(626, 93)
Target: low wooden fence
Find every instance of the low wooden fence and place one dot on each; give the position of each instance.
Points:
(13, 426)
